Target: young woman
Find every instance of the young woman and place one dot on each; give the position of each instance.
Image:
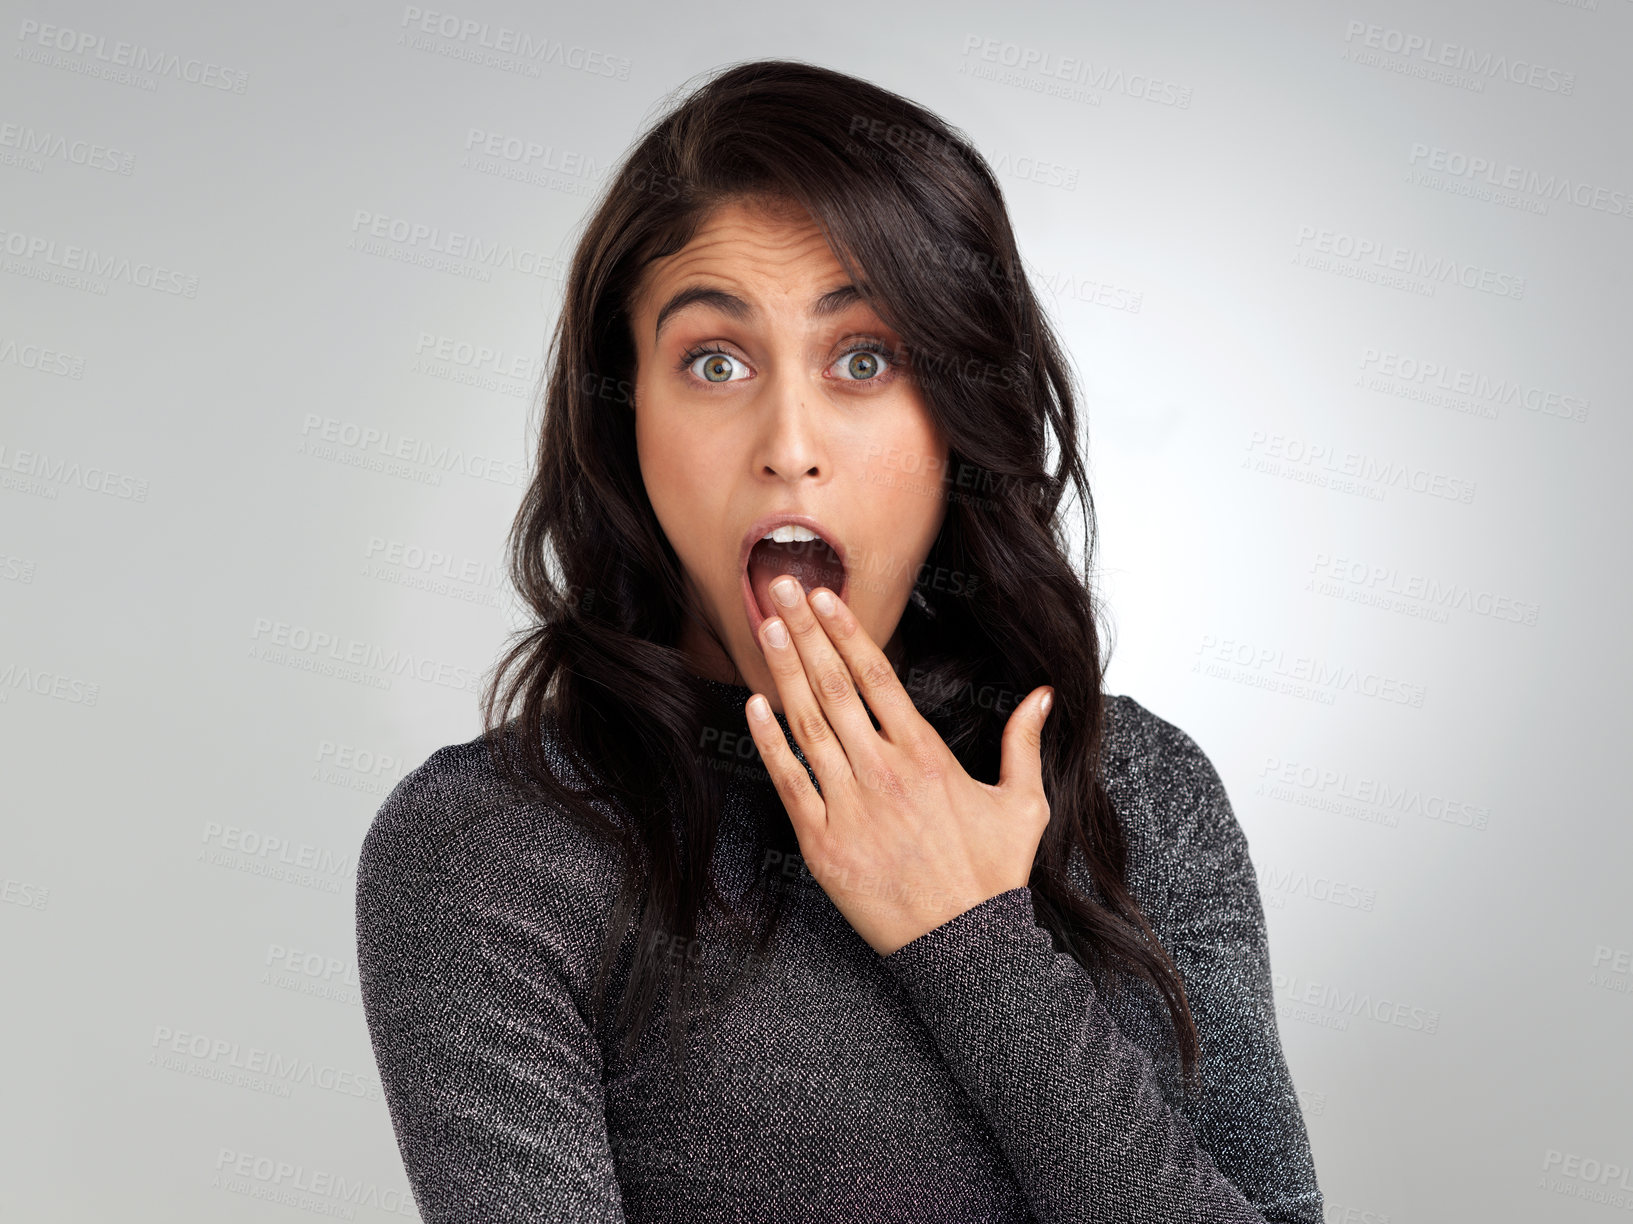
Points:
(945, 934)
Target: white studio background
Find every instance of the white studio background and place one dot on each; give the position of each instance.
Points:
(1347, 290)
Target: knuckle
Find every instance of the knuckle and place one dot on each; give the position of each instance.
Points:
(877, 674)
(844, 624)
(834, 683)
(886, 781)
(926, 758)
(814, 850)
(897, 699)
(813, 726)
(806, 629)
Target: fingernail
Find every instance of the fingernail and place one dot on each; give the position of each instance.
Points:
(759, 707)
(1045, 702)
(823, 601)
(786, 591)
(776, 632)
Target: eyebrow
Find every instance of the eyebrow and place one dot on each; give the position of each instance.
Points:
(830, 303)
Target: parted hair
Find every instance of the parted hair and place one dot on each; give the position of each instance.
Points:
(912, 211)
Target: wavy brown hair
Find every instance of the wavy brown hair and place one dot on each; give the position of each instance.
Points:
(902, 195)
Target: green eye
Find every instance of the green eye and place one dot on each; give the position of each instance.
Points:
(863, 365)
(867, 361)
(717, 367)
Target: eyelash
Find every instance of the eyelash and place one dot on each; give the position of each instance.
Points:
(866, 344)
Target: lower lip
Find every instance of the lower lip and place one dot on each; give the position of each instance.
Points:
(756, 618)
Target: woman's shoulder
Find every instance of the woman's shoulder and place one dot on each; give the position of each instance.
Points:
(1169, 798)
(453, 830)
(1139, 746)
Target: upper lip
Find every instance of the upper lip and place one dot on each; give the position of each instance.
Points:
(760, 526)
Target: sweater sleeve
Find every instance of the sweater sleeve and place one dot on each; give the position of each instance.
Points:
(1072, 1100)
(490, 1072)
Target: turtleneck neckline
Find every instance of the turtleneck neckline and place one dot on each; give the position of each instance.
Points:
(726, 689)
(734, 697)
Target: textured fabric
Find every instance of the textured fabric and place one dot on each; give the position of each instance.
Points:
(972, 1075)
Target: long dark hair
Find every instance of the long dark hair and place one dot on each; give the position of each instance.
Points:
(901, 194)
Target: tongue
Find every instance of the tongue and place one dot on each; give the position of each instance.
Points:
(810, 561)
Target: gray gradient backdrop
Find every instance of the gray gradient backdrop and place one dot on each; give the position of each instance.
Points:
(1347, 289)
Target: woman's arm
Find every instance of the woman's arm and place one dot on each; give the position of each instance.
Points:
(491, 1074)
(1071, 1099)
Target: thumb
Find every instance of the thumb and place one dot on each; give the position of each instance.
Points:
(1020, 762)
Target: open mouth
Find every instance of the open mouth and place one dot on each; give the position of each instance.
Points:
(789, 544)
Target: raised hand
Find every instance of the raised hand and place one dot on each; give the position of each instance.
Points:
(901, 838)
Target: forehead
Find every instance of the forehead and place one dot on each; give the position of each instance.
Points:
(759, 248)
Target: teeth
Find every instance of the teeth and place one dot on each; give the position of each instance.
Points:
(789, 532)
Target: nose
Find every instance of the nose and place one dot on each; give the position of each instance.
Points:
(792, 443)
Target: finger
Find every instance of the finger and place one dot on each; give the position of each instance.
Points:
(799, 797)
(875, 678)
(804, 713)
(828, 675)
(1021, 755)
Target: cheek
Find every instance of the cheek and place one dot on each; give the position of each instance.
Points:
(664, 458)
(677, 469)
(906, 468)
(902, 475)
(660, 474)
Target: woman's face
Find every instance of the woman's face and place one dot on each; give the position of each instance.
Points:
(781, 398)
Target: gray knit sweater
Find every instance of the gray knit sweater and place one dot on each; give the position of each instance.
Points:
(973, 1075)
